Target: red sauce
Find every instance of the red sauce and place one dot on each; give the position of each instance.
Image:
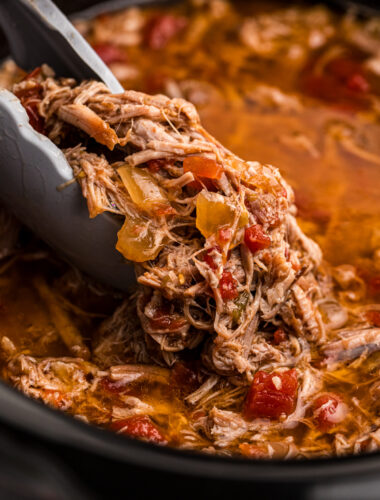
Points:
(139, 426)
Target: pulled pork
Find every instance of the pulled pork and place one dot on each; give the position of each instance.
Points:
(219, 256)
(222, 267)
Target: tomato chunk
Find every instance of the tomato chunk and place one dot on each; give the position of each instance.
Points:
(198, 184)
(357, 83)
(155, 166)
(184, 376)
(329, 410)
(373, 317)
(139, 426)
(33, 74)
(224, 234)
(164, 320)
(161, 29)
(109, 53)
(271, 395)
(55, 398)
(30, 98)
(112, 386)
(343, 68)
(374, 286)
(208, 257)
(256, 239)
(203, 167)
(343, 83)
(227, 286)
(279, 336)
(252, 451)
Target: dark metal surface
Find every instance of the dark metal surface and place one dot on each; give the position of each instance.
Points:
(58, 428)
(31, 472)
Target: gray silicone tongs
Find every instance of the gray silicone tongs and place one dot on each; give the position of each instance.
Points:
(32, 167)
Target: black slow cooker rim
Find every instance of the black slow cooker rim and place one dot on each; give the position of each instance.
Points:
(56, 428)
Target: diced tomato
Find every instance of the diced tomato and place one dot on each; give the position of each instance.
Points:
(195, 186)
(296, 264)
(373, 317)
(112, 386)
(208, 258)
(184, 376)
(271, 395)
(343, 67)
(224, 234)
(164, 210)
(227, 286)
(203, 167)
(256, 239)
(33, 74)
(110, 53)
(163, 320)
(357, 83)
(205, 170)
(328, 411)
(374, 285)
(343, 84)
(162, 28)
(35, 120)
(201, 183)
(54, 398)
(279, 336)
(252, 451)
(372, 281)
(321, 87)
(30, 98)
(139, 426)
(155, 165)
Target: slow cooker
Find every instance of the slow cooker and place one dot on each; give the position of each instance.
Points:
(45, 454)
